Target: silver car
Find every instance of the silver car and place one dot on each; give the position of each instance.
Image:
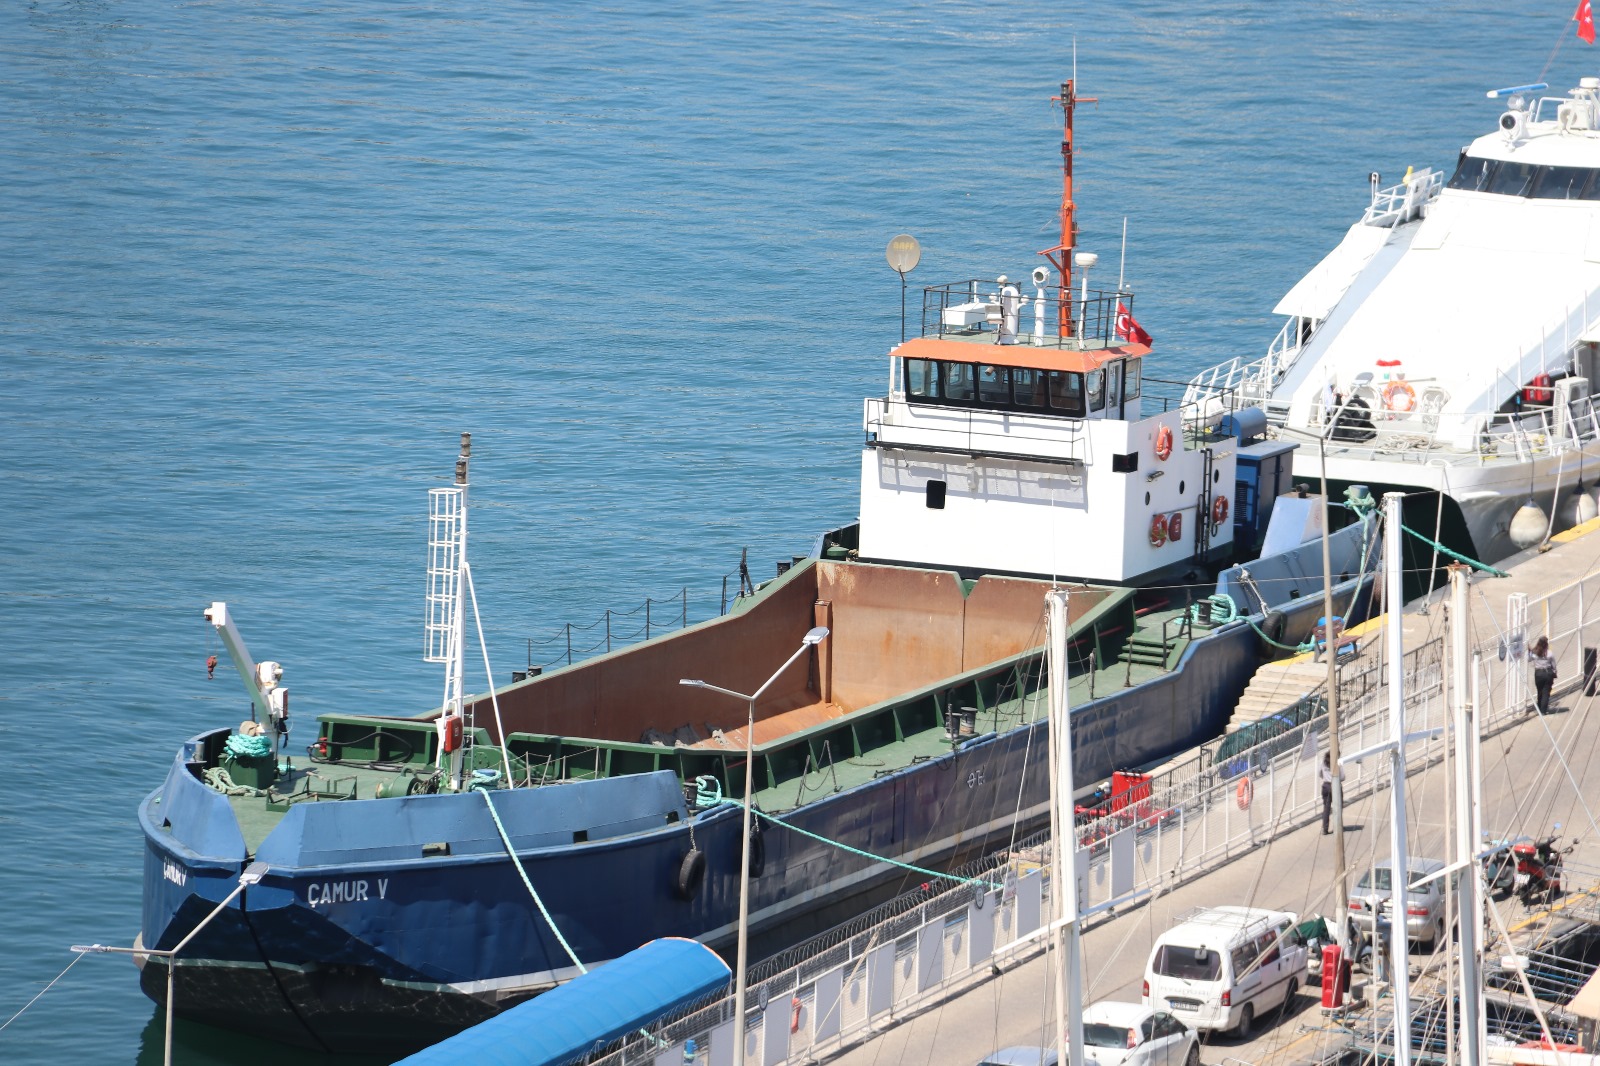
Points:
(1424, 903)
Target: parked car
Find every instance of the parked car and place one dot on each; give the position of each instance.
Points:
(1021, 1056)
(1424, 903)
(1221, 968)
(1131, 1034)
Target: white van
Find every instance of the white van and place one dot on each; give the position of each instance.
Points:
(1223, 967)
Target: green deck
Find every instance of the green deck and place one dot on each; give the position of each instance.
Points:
(371, 757)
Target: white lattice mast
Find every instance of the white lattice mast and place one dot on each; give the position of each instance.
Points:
(444, 631)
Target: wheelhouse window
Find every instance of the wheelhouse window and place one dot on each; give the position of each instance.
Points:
(922, 379)
(1066, 392)
(1473, 174)
(1512, 179)
(1027, 387)
(1113, 371)
(994, 384)
(1130, 386)
(1096, 384)
(957, 381)
(1561, 183)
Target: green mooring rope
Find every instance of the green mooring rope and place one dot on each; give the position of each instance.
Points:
(240, 746)
(868, 855)
(1457, 556)
(488, 797)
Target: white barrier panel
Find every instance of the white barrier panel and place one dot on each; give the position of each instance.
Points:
(880, 980)
(930, 956)
(830, 987)
(980, 919)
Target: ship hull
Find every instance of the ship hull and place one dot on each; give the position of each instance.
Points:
(384, 924)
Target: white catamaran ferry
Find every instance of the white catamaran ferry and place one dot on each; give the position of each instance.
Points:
(1447, 346)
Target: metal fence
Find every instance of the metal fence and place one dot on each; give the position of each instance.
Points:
(1197, 817)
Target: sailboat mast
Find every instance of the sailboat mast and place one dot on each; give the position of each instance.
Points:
(1400, 878)
(1465, 726)
(1064, 849)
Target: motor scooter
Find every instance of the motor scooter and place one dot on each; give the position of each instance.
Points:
(1539, 869)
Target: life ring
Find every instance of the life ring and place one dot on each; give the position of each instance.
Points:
(691, 871)
(1538, 390)
(1244, 793)
(1164, 443)
(1399, 396)
(1175, 526)
(1158, 530)
(1219, 510)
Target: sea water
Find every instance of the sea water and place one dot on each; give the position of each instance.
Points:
(261, 263)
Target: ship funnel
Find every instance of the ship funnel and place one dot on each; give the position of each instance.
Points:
(1527, 525)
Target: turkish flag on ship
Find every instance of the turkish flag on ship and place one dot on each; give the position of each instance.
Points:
(1131, 331)
(1584, 17)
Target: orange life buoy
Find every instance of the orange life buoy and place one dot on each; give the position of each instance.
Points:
(1175, 526)
(1399, 396)
(1164, 443)
(1538, 390)
(1158, 530)
(1219, 510)
(1245, 793)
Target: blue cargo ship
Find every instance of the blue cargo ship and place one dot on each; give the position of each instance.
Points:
(415, 873)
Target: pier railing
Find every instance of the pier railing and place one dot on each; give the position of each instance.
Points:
(1198, 817)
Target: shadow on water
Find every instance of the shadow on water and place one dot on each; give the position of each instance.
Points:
(196, 1044)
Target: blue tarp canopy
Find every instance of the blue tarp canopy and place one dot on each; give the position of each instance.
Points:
(589, 1012)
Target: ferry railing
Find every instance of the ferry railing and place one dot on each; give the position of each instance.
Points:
(1405, 201)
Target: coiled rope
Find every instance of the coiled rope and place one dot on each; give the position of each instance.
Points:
(239, 746)
(505, 838)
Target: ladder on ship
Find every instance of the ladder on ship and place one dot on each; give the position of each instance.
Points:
(444, 626)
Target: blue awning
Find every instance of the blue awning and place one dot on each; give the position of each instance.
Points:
(586, 1014)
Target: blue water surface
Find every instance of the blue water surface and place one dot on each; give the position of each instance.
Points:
(261, 263)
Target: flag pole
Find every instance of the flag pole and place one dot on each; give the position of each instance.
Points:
(1122, 265)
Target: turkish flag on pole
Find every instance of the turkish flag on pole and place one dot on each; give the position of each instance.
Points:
(1584, 17)
(1131, 331)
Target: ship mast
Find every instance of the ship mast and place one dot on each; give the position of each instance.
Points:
(445, 629)
(1060, 256)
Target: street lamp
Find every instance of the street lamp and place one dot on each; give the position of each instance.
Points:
(810, 640)
(252, 875)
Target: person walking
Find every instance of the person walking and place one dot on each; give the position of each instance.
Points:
(1325, 775)
(1544, 673)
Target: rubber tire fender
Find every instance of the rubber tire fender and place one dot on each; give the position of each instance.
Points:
(1273, 625)
(691, 871)
(758, 850)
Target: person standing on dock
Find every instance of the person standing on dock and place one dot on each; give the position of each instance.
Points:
(1544, 673)
(1325, 775)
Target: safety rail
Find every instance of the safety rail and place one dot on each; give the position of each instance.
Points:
(966, 431)
(976, 306)
(1249, 380)
(1403, 202)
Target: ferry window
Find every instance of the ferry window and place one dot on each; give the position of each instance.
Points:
(1560, 183)
(1512, 179)
(922, 378)
(1097, 389)
(1114, 384)
(994, 384)
(1066, 392)
(1130, 386)
(1473, 174)
(1591, 191)
(957, 381)
(1027, 387)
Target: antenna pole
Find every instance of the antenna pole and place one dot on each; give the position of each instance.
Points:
(1122, 264)
(1060, 256)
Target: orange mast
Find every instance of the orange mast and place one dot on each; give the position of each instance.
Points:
(1060, 256)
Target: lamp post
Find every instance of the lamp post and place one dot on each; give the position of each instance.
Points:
(810, 640)
(252, 875)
